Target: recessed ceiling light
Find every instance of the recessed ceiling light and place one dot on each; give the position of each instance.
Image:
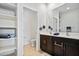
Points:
(68, 8)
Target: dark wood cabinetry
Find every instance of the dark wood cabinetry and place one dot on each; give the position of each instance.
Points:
(43, 42)
(71, 50)
(71, 47)
(46, 44)
(59, 46)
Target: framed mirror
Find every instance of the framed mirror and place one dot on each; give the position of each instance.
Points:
(67, 16)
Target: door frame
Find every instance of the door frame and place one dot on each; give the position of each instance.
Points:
(38, 35)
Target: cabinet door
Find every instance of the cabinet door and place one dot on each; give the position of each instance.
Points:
(43, 42)
(58, 48)
(50, 46)
(71, 49)
(46, 44)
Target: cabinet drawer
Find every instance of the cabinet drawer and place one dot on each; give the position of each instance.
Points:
(58, 48)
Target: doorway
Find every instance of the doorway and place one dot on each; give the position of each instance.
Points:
(30, 27)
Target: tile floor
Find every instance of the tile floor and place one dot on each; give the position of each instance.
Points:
(29, 50)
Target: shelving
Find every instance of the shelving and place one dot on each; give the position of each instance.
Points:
(9, 17)
(7, 39)
(7, 21)
(6, 48)
(7, 27)
(8, 11)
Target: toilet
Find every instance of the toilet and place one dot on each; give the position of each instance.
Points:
(33, 41)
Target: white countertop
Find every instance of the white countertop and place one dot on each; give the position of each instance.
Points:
(63, 34)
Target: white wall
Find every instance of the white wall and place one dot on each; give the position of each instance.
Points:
(70, 18)
(42, 14)
(29, 25)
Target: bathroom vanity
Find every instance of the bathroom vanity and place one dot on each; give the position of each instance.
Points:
(59, 45)
(66, 22)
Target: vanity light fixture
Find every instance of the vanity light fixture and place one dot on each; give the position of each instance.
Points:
(43, 26)
(50, 28)
(40, 28)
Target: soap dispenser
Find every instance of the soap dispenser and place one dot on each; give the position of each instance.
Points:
(68, 29)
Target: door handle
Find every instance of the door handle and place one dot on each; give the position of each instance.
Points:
(55, 43)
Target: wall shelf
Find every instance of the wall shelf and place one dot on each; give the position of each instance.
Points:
(8, 21)
(8, 17)
(7, 38)
(7, 27)
(7, 48)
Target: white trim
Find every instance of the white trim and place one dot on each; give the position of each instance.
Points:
(19, 30)
(37, 39)
(38, 35)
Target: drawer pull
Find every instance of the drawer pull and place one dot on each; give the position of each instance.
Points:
(58, 44)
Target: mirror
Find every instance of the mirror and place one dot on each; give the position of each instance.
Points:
(66, 17)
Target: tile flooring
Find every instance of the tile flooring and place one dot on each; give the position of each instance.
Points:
(29, 50)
